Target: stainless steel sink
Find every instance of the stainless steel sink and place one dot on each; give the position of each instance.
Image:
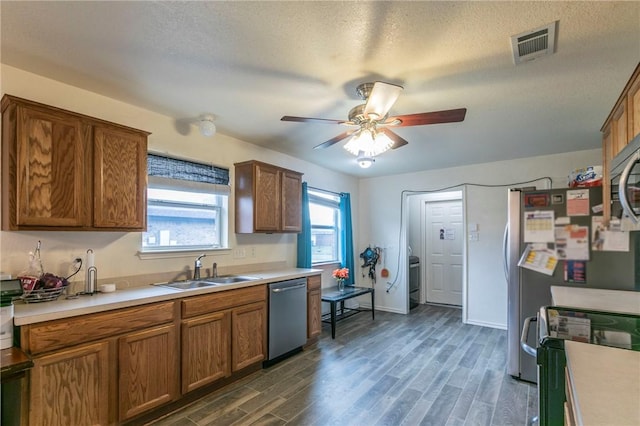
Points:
(187, 285)
(230, 279)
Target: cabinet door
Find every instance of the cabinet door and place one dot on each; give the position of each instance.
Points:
(633, 108)
(291, 202)
(619, 127)
(205, 350)
(248, 335)
(314, 306)
(607, 155)
(120, 178)
(50, 169)
(314, 313)
(71, 387)
(148, 370)
(267, 198)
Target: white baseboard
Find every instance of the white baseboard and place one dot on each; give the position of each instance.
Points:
(487, 324)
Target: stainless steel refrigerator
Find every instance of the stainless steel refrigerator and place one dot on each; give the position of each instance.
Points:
(528, 290)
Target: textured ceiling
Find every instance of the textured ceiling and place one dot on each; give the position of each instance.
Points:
(250, 63)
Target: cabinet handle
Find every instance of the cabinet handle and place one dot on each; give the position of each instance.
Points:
(523, 338)
(278, 290)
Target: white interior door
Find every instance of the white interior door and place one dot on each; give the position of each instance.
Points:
(444, 251)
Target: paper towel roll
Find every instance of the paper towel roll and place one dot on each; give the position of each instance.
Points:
(91, 259)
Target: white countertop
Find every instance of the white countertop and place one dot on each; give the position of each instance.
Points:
(29, 313)
(625, 302)
(605, 383)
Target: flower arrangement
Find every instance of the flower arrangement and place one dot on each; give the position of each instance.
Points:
(340, 275)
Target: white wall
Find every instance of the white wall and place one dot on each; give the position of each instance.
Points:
(116, 252)
(379, 222)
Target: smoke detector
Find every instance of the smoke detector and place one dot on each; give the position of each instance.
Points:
(534, 44)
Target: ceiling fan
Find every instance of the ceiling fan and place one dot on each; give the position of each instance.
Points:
(372, 135)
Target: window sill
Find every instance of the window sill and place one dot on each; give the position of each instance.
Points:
(186, 253)
(325, 264)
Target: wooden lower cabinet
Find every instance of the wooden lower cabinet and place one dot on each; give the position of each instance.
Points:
(71, 387)
(148, 370)
(248, 335)
(206, 350)
(314, 307)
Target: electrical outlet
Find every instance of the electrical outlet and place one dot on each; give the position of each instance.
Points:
(474, 236)
(253, 251)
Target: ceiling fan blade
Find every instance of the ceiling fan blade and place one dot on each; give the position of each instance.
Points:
(338, 138)
(312, 120)
(397, 140)
(381, 99)
(435, 117)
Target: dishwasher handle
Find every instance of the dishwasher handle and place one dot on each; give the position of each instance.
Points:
(523, 338)
(293, 287)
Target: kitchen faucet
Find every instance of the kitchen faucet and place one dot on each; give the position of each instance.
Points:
(197, 266)
(214, 270)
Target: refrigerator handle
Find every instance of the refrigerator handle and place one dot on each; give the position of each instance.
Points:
(505, 256)
(624, 177)
(523, 338)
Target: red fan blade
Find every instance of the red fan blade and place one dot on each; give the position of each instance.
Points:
(436, 117)
(397, 140)
(312, 120)
(338, 138)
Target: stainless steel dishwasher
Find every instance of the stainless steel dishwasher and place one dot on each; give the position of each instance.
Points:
(287, 318)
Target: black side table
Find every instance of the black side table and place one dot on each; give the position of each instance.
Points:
(334, 296)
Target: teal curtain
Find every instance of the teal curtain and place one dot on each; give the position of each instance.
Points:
(304, 237)
(346, 240)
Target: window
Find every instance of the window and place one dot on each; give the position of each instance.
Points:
(324, 211)
(185, 209)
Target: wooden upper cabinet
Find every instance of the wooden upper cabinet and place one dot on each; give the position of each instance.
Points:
(621, 126)
(49, 159)
(268, 198)
(120, 178)
(291, 201)
(607, 155)
(633, 107)
(66, 171)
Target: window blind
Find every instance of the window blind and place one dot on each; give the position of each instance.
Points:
(174, 168)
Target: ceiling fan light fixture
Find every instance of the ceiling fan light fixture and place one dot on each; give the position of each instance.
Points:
(365, 161)
(381, 99)
(368, 142)
(206, 125)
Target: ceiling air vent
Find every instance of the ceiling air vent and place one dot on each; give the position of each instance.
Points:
(534, 44)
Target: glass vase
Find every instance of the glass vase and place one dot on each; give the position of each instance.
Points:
(340, 285)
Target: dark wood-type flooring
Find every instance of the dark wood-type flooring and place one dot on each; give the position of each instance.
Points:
(426, 368)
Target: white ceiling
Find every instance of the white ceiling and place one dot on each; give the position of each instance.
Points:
(250, 63)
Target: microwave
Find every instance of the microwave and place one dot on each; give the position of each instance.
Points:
(625, 184)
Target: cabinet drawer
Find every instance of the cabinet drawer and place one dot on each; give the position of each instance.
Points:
(314, 282)
(38, 338)
(199, 305)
